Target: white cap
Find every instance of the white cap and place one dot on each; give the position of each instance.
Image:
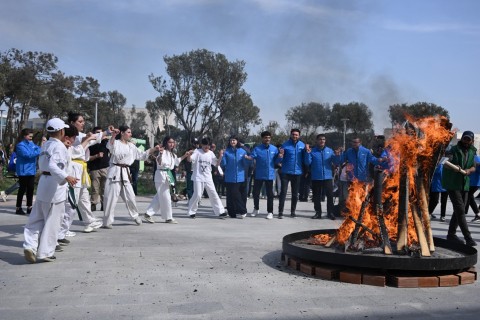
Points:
(56, 124)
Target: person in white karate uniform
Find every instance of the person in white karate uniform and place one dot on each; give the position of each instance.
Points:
(80, 155)
(166, 162)
(75, 169)
(122, 154)
(202, 160)
(42, 228)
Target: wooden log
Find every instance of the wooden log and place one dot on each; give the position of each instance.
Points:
(363, 208)
(423, 207)
(403, 195)
(420, 232)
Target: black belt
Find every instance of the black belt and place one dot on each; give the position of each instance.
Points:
(46, 173)
(121, 171)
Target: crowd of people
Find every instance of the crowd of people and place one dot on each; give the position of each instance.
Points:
(79, 171)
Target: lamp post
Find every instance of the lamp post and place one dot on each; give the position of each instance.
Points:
(96, 112)
(344, 130)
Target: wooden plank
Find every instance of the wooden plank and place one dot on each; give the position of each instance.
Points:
(449, 280)
(466, 277)
(351, 277)
(374, 280)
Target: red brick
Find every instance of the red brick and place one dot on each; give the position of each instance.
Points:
(307, 268)
(428, 282)
(473, 270)
(293, 263)
(449, 281)
(351, 277)
(403, 282)
(327, 273)
(466, 277)
(374, 280)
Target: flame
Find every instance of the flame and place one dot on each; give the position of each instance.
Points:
(419, 148)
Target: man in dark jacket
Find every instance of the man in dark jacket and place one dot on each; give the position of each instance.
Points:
(457, 183)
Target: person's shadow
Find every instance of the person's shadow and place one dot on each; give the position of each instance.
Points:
(10, 239)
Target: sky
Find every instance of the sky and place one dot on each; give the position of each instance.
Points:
(296, 51)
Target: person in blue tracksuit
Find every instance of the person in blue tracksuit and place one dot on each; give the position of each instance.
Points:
(474, 185)
(265, 156)
(291, 153)
(437, 192)
(321, 160)
(26, 167)
(233, 164)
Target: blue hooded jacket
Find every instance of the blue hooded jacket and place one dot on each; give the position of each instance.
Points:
(27, 153)
(265, 158)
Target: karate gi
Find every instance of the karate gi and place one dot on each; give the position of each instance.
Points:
(43, 224)
(162, 201)
(118, 179)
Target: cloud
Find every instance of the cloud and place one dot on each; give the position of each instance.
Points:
(431, 27)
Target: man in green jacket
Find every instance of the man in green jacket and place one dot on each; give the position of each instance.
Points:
(457, 183)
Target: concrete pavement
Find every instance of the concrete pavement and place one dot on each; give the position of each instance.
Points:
(204, 268)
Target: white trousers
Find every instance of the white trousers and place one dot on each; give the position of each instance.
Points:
(42, 228)
(215, 201)
(113, 189)
(85, 206)
(162, 202)
(68, 215)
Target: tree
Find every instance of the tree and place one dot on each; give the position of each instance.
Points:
(138, 124)
(398, 112)
(309, 116)
(202, 86)
(115, 103)
(358, 114)
(25, 78)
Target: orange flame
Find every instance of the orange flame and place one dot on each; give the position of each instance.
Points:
(419, 150)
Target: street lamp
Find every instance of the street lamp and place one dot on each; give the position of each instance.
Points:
(344, 130)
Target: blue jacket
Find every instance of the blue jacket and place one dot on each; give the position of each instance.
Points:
(359, 160)
(27, 153)
(321, 162)
(475, 176)
(265, 158)
(292, 161)
(436, 185)
(233, 165)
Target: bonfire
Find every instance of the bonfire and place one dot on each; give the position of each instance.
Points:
(391, 214)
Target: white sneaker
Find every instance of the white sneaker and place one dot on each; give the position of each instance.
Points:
(269, 216)
(70, 234)
(173, 221)
(254, 213)
(138, 221)
(4, 196)
(93, 226)
(242, 216)
(148, 218)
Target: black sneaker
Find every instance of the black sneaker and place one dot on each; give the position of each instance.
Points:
(471, 243)
(192, 216)
(280, 215)
(454, 238)
(20, 211)
(432, 216)
(58, 248)
(442, 219)
(63, 242)
(293, 215)
(331, 216)
(317, 215)
(29, 210)
(223, 215)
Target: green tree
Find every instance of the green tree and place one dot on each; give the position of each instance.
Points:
(358, 114)
(138, 124)
(398, 112)
(200, 88)
(309, 117)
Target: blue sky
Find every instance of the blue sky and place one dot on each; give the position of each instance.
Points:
(377, 52)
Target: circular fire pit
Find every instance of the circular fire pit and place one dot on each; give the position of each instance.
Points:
(448, 258)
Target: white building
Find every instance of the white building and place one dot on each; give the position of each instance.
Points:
(152, 127)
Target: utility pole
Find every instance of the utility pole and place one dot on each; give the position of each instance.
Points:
(1, 125)
(344, 130)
